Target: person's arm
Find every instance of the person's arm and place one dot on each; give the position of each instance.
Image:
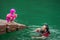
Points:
(15, 16)
(37, 30)
(42, 37)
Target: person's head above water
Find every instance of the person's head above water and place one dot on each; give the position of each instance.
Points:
(46, 28)
(12, 11)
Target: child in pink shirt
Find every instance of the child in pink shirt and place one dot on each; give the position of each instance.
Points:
(11, 16)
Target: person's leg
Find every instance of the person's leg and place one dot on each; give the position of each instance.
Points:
(7, 19)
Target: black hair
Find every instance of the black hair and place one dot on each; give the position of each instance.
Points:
(47, 28)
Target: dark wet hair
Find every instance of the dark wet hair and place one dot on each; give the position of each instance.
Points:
(47, 28)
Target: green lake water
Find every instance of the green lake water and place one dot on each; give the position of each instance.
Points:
(33, 13)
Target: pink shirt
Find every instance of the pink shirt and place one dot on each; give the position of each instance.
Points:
(11, 17)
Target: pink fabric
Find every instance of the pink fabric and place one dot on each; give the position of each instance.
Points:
(10, 17)
(46, 34)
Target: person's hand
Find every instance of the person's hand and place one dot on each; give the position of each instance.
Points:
(37, 30)
(33, 37)
(10, 18)
(16, 15)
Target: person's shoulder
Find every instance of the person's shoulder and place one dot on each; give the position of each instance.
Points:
(38, 29)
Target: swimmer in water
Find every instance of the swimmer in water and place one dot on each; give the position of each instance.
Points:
(44, 32)
(11, 16)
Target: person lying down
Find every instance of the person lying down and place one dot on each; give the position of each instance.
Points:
(44, 32)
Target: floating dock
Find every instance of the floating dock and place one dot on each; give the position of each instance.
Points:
(10, 27)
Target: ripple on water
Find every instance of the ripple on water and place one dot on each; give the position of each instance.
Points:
(26, 34)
